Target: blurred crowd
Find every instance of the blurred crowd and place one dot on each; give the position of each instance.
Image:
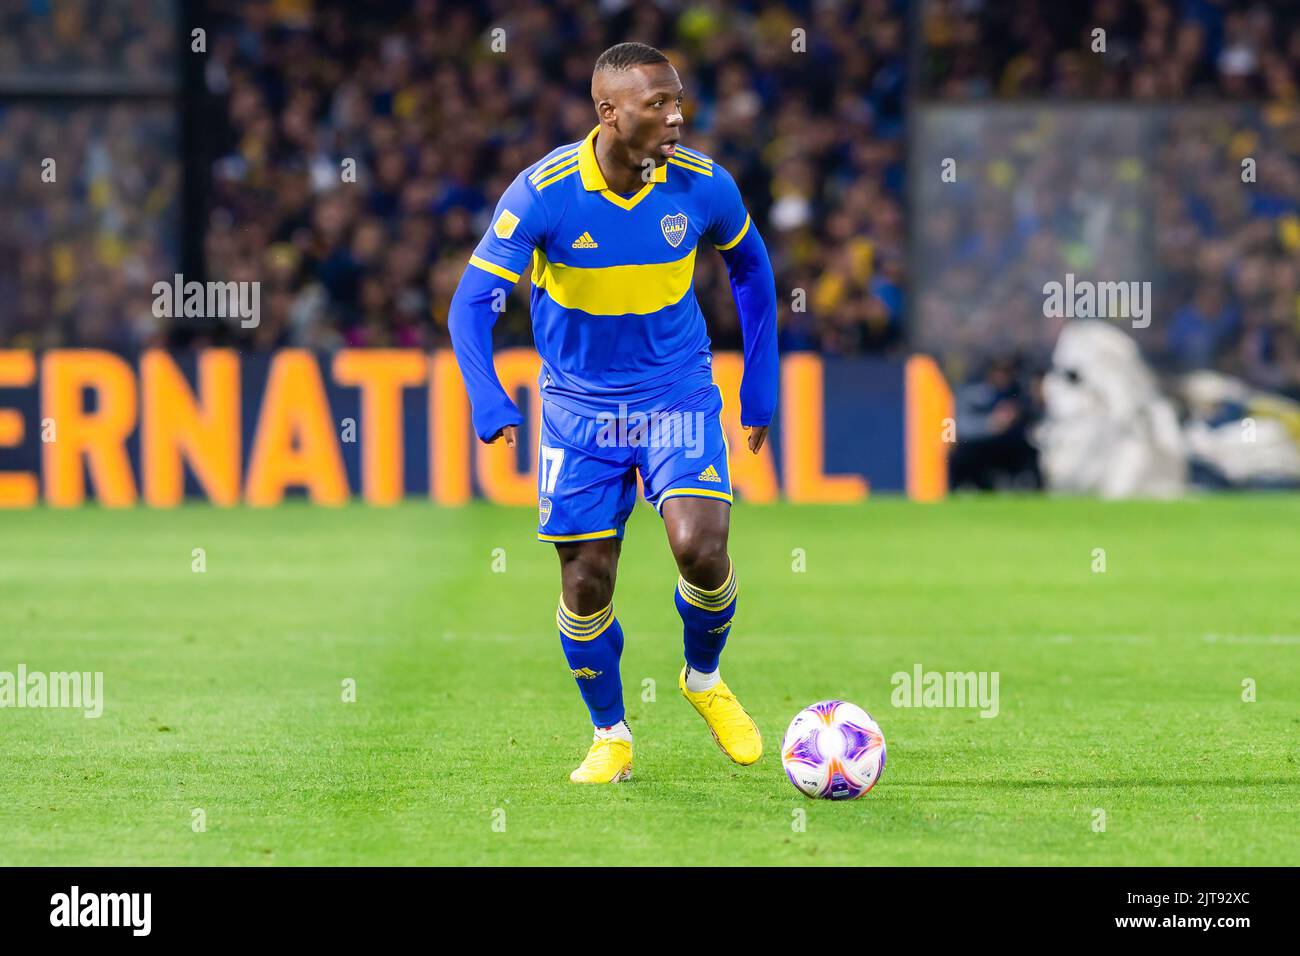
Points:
(1227, 251)
(356, 153)
(91, 182)
(1203, 203)
(1035, 193)
(90, 222)
(1148, 50)
(134, 39)
(802, 102)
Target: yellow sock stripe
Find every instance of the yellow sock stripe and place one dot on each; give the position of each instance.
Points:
(710, 604)
(721, 596)
(586, 634)
(583, 627)
(714, 600)
(582, 620)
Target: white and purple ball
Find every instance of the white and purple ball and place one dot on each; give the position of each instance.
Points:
(833, 751)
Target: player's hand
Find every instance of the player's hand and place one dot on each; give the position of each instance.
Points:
(757, 435)
(511, 433)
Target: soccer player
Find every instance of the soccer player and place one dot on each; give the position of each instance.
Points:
(610, 225)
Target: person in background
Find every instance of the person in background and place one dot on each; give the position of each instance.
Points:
(994, 412)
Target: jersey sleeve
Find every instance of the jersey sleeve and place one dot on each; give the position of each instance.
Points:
(728, 220)
(499, 259)
(518, 227)
(753, 288)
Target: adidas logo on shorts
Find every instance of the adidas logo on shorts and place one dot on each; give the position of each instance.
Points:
(709, 474)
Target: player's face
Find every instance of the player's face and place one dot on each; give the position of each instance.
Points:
(650, 114)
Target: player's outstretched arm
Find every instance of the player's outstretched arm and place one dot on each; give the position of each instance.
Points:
(517, 228)
(474, 310)
(753, 287)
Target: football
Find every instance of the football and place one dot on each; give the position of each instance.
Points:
(833, 750)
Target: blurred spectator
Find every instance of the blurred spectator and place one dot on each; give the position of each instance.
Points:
(1202, 328)
(994, 413)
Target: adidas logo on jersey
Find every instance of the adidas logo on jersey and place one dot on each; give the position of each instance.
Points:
(709, 474)
(585, 241)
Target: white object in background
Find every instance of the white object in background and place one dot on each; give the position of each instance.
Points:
(1107, 429)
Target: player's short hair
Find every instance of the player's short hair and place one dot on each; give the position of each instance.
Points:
(624, 56)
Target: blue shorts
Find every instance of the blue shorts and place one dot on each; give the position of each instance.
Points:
(587, 467)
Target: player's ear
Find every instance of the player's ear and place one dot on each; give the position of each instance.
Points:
(606, 110)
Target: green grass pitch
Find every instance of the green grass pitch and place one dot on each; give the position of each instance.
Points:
(1119, 691)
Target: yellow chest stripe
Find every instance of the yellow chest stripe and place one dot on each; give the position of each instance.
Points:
(615, 290)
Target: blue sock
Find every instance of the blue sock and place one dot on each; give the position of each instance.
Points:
(706, 620)
(593, 644)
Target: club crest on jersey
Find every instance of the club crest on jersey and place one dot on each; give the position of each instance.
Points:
(674, 228)
(544, 510)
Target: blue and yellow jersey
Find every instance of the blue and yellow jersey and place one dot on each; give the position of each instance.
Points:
(614, 313)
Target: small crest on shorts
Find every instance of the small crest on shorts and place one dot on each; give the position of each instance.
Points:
(543, 510)
(674, 228)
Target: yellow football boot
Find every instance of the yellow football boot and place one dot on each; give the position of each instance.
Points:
(608, 761)
(731, 727)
